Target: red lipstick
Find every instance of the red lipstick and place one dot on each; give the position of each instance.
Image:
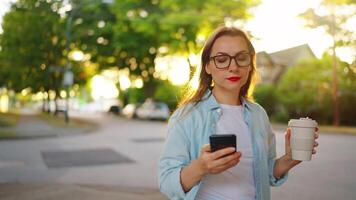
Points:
(233, 78)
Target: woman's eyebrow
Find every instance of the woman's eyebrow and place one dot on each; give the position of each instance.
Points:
(224, 53)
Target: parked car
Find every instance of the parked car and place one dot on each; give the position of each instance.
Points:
(153, 110)
(114, 109)
(129, 110)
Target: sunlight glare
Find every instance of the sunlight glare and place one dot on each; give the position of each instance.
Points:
(175, 68)
(124, 79)
(103, 88)
(138, 83)
(277, 26)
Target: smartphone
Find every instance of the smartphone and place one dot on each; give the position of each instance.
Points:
(218, 142)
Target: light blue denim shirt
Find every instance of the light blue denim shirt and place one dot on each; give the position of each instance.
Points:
(189, 129)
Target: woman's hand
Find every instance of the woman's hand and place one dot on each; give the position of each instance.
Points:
(288, 149)
(286, 162)
(218, 161)
(208, 162)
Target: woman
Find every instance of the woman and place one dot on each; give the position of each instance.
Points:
(222, 104)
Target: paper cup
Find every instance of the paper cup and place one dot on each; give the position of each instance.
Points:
(302, 138)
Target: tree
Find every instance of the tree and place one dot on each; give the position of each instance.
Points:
(35, 47)
(90, 28)
(136, 36)
(145, 30)
(26, 55)
(311, 96)
(168, 93)
(189, 22)
(333, 23)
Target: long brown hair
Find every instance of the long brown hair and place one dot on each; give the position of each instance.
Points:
(205, 79)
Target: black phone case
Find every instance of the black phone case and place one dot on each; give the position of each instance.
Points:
(218, 142)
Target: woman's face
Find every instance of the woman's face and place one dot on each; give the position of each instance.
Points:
(229, 78)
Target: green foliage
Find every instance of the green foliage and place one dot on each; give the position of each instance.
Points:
(168, 93)
(280, 116)
(265, 95)
(91, 31)
(134, 95)
(8, 119)
(31, 43)
(306, 90)
(142, 28)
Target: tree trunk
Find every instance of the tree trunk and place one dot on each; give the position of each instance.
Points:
(336, 117)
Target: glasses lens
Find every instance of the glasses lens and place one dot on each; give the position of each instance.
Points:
(243, 59)
(222, 61)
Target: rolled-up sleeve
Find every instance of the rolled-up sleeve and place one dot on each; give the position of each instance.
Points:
(174, 157)
(273, 180)
(272, 157)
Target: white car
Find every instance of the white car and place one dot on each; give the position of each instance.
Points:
(153, 110)
(129, 110)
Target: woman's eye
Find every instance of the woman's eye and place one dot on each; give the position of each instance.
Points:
(222, 59)
(242, 57)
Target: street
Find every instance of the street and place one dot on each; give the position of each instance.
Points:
(124, 153)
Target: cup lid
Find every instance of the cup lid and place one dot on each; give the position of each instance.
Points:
(303, 122)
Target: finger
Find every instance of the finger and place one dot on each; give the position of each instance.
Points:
(316, 144)
(223, 152)
(316, 135)
(206, 148)
(316, 129)
(224, 160)
(287, 138)
(314, 151)
(226, 166)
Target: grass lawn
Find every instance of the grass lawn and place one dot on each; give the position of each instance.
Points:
(7, 134)
(338, 130)
(327, 129)
(8, 119)
(58, 121)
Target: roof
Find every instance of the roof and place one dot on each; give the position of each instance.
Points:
(290, 57)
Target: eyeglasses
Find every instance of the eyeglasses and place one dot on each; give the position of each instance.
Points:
(223, 61)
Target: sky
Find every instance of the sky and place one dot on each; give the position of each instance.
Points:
(4, 7)
(278, 27)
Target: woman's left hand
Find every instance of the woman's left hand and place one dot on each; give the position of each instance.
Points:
(288, 148)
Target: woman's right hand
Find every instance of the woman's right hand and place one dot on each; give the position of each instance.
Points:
(208, 163)
(218, 161)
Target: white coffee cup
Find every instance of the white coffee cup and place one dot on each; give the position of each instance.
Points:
(302, 138)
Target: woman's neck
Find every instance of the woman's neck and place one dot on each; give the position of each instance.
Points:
(226, 97)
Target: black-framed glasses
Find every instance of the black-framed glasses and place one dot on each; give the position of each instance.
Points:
(223, 61)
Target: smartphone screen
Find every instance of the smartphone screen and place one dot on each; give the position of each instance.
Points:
(218, 142)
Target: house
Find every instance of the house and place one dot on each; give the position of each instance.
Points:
(271, 66)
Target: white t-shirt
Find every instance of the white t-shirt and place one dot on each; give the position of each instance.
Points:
(237, 182)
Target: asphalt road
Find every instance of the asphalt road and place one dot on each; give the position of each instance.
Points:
(124, 153)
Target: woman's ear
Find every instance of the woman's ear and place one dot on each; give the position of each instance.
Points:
(207, 69)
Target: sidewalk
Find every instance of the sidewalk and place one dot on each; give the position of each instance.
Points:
(33, 180)
(30, 126)
(36, 191)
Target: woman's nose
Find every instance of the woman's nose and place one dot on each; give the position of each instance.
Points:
(233, 65)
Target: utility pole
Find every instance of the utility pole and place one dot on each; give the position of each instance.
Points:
(335, 97)
(68, 74)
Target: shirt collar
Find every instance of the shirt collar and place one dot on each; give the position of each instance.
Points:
(210, 101)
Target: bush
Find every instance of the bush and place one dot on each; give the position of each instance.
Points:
(306, 91)
(280, 117)
(168, 93)
(132, 95)
(265, 95)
